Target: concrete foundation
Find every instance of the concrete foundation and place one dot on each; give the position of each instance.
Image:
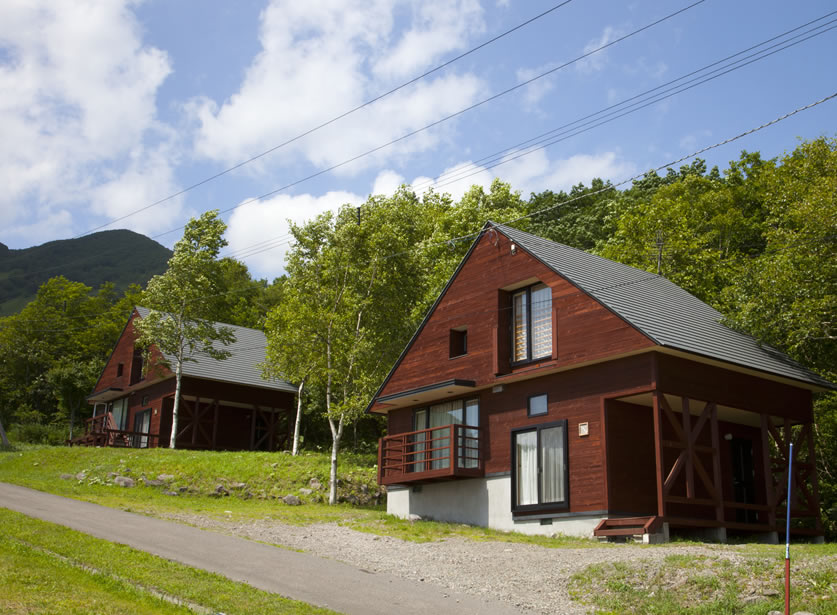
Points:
(485, 502)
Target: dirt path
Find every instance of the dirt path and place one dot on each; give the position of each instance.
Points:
(529, 578)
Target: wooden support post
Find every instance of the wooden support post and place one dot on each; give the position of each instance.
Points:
(658, 454)
(716, 465)
(690, 464)
(215, 427)
(769, 489)
(812, 459)
(195, 419)
(253, 428)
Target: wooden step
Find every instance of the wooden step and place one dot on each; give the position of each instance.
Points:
(626, 526)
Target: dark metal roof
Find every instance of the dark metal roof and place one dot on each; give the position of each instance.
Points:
(660, 309)
(242, 367)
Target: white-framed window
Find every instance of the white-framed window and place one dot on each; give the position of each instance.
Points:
(532, 323)
(540, 471)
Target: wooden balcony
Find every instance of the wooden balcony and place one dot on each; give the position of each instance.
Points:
(438, 453)
(101, 430)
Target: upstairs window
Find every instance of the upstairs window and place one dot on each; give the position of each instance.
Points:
(532, 323)
(458, 342)
(136, 366)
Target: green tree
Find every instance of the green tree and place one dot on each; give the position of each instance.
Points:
(346, 305)
(183, 302)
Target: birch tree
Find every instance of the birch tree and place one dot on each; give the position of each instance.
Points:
(346, 305)
(182, 301)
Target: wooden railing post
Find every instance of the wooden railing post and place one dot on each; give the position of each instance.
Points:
(658, 454)
(768, 472)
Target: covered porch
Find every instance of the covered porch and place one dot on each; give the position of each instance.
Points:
(707, 467)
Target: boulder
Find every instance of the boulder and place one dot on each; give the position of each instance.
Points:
(67, 476)
(315, 484)
(81, 476)
(166, 477)
(238, 486)
(413, 517)
(124, 481)
(305, 491)
(291, 500)
(153, 483)
(221, 490)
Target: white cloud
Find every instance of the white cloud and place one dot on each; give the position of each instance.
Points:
(387, 182)
(535, 91)
(320, 59)
(258, 232)
(455, 180)
(79, 90)
(598, 60)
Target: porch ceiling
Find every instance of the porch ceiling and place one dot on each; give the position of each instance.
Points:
(725, 413)
(108, 394)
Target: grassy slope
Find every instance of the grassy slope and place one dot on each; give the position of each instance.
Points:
(685, 584)
(46, 568)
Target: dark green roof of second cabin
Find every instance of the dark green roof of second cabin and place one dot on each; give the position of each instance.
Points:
(666, 313)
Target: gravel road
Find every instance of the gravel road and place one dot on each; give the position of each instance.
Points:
(532, 578)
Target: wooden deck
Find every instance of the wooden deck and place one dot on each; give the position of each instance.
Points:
(438, 453)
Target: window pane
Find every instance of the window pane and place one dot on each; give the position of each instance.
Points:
(469, 443)
(552, 465)
(526, 446)
(537, 405)
(448, 413)
(541, 321)
(521, 327)
(419, 423)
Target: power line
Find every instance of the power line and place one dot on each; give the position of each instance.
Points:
(336, 118)
(609, 187)
(451, 116)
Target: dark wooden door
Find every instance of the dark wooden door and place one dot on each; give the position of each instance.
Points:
(743, 478)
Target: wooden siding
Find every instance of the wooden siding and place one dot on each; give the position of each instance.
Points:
(730, 388)
(583, 330)
(123, 354)
(573, 395)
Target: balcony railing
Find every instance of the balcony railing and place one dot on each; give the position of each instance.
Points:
(431, 454)
(101, 430)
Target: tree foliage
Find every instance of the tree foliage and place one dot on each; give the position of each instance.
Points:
(184, 301)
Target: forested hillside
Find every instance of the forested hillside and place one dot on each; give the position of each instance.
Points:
(121, 257)
(756, 240)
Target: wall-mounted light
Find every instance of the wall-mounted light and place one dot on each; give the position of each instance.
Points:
(514, 249)
(727, 437)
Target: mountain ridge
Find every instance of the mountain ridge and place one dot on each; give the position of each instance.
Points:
(119, 256)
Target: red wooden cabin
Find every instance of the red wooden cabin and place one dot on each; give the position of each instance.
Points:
(551, 390)
(224, 405)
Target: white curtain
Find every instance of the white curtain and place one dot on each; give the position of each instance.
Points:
(419, 423)
(552, 465)
(521, 327)
(541, 321)
(442, 415)
(526, 447)
(469, 444)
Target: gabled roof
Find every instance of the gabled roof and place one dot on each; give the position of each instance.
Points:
(242, 366)
(660, 309)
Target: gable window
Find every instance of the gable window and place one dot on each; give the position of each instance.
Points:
(458, 342)
(120, 368)
(532, 323)
(136, 366)
(539, 471)
(437, 441)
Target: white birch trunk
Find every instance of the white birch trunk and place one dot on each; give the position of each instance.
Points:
(3, 439)
(178, 373)
(298, 418)
(336, 432)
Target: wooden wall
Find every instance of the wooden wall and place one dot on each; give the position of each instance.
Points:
(573, 395)
(583, 329)
(699, 381)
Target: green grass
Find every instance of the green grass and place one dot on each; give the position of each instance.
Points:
(268, 476)
(748, 581)
(46, 568)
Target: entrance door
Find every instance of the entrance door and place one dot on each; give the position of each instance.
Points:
(142, 424)
(743, 478)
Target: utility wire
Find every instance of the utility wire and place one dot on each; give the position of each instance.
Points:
(451, 116)
(577, 198)
(336, 118)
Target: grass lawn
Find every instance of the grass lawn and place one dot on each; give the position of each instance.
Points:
(741, 579)
(46, 568)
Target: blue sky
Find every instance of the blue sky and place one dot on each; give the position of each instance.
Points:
(109, 106)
